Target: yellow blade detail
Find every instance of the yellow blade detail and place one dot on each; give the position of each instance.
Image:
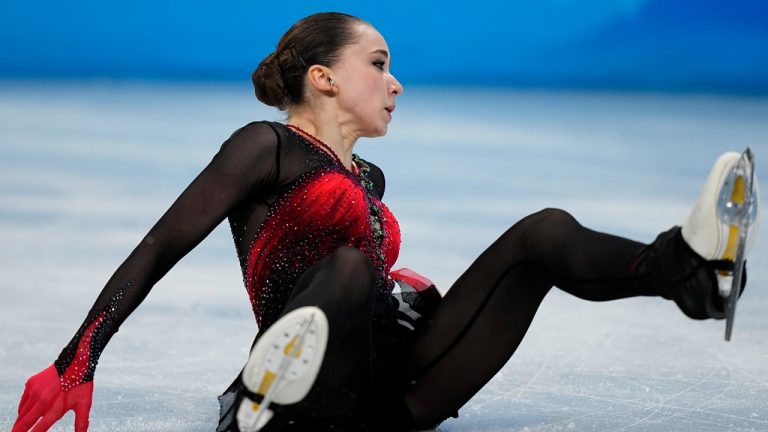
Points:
(733, 241)
(738, 196)
(289, 349)
(739, 191)
(266, 383)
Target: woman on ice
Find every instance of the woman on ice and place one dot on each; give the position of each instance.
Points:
(338, 347)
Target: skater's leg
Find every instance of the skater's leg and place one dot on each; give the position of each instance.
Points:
(342, 286)
(488, 310)
(337, 294)
(485, 314)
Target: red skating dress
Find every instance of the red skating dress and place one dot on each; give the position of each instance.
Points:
(326, 208)
(289, 204)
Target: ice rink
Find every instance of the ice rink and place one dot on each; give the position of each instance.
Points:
(86, 168)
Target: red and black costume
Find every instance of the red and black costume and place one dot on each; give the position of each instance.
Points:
(309, 231)
(289, 204)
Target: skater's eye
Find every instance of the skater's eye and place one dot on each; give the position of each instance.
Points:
(379, 64)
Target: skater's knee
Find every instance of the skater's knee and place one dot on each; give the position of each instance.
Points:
(539, 232)
(550, 217)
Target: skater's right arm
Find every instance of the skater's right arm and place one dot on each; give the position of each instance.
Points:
(246, 164)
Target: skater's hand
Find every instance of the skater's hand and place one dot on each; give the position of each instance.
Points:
(44, 400)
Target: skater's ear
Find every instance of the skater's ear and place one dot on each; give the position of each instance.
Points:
(319, 78)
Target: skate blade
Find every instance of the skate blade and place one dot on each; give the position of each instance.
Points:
(283, 364)
(737, 210)
(253, 419)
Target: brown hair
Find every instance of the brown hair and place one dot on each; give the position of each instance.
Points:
(316, 39)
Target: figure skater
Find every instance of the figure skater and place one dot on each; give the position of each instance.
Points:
(339, 348)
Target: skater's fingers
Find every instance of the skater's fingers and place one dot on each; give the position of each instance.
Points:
(82, 415)
(81, 401)
(50, 417)
(31, 397)
(23, 404)
(26, 420)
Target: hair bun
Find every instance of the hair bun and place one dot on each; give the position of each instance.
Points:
(268, 82)
(315, 40)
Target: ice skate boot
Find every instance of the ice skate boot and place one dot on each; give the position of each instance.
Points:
(723, 224)
(282, 365)
(694, 265)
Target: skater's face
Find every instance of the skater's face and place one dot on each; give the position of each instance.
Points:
(364, 87)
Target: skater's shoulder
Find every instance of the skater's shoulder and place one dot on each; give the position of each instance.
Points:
(256, 133)
(251, 154)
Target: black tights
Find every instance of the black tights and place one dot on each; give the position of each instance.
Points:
(482, 319)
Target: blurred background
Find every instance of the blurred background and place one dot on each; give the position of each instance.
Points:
(701, 45)
(611, 109)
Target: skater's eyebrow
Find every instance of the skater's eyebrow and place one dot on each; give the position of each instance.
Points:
(381, 51)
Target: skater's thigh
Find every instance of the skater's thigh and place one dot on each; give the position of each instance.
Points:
(481, 305)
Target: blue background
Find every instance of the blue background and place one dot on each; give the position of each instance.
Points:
(688, 45)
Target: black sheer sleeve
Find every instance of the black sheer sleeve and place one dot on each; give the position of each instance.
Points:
(247, 163)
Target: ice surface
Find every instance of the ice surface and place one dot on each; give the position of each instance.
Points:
(86, 169)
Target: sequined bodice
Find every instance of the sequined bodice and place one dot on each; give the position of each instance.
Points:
(325, 209)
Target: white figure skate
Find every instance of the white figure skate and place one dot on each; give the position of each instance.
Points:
(723, 223)
(283, 365)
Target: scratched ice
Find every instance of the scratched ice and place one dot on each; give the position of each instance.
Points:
(85, 169)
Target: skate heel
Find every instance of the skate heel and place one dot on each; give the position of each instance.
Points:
(282, 365)
(723, 222)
